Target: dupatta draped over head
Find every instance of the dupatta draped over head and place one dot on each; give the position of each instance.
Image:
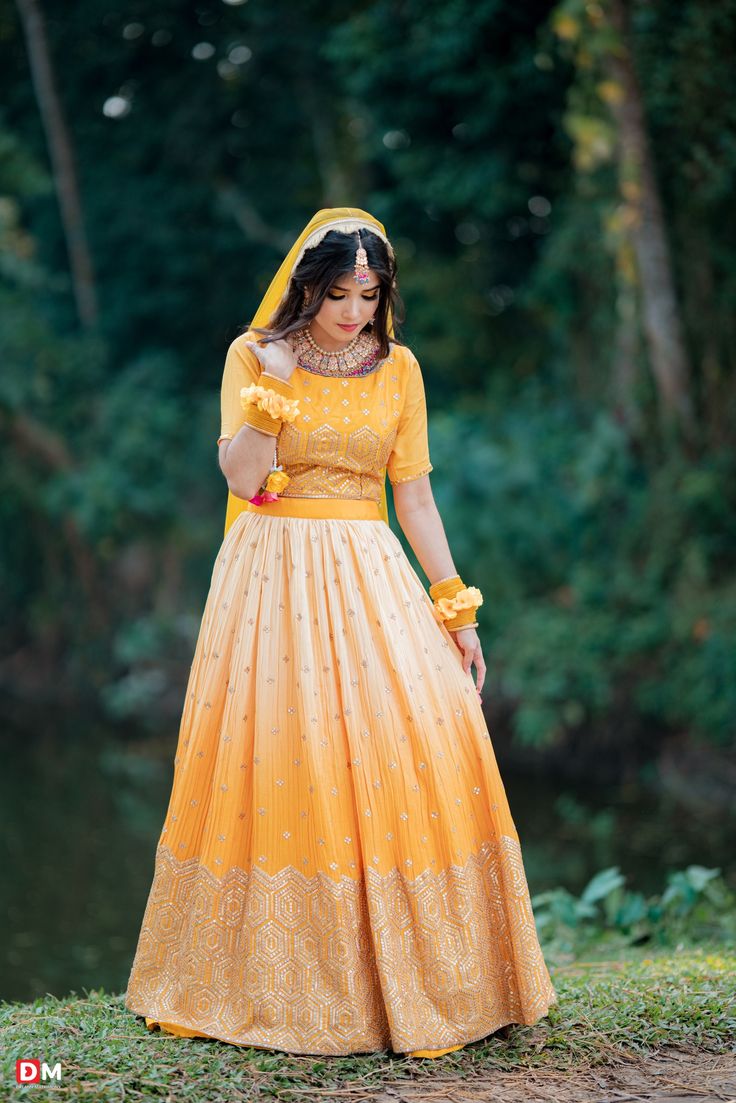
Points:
(346, 220)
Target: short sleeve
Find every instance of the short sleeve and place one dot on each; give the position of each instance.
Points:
(242, 367)
(409, 458)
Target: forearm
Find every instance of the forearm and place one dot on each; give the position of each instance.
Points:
(423, 528)
(247, 461)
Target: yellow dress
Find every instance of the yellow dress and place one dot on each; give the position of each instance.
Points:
(338, 871)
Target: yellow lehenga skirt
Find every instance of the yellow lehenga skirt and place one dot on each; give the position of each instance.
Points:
(338, 871)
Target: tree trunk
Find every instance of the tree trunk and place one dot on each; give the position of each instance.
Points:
(62, 160)
(625, 359)
(660, 314)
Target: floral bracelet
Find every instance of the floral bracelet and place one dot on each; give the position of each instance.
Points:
(270, 402)
(275, 481)
(469, 597)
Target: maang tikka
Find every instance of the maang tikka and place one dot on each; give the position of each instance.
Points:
(362, 271)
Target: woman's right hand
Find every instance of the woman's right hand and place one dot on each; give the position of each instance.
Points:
(276, 357)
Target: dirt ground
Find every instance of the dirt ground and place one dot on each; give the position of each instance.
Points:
(671, 1076)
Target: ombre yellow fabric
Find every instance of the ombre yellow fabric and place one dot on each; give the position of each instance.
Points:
(346, 220)
(338, 870)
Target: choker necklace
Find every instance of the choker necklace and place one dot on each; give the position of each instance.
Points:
(359, 357)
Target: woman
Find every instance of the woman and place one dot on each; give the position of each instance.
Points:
(338, 871)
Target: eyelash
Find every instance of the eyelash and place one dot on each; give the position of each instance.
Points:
(339, 298)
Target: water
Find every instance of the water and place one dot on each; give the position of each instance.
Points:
(83, 810)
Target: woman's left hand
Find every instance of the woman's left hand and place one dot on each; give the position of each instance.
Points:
(468, 644)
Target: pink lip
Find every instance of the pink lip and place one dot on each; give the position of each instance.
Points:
(350, 328)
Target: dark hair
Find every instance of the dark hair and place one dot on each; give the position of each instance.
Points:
(318, 270)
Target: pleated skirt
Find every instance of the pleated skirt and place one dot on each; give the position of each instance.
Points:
(338, 870)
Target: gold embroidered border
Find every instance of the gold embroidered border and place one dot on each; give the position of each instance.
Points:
(312, 965)
(410, 478)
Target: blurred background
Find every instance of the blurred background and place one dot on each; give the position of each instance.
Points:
(558, 181)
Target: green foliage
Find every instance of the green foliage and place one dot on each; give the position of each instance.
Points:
(441, 97)
(608, 572)
(129, 471)
(609, 597)
(696, 905)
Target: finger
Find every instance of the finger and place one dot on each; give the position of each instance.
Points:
(467, 659)
(480, 670)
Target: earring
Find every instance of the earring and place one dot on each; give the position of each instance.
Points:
(307, 296)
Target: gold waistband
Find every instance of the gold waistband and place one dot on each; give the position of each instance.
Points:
(361, 509)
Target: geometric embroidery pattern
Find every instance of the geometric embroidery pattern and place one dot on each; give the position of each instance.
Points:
(317, 966)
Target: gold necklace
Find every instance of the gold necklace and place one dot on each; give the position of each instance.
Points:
(359, 357)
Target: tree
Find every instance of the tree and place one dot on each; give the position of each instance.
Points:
(598, 36)
(61, 153)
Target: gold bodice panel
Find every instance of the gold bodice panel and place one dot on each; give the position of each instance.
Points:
(348, 433)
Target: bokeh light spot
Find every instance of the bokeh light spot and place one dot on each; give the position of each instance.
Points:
(115, 107)
(239, 55)
(396, 139)
(467, 233)
(499, 297)
(539, 205)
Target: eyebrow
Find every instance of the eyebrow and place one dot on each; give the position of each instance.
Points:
(336, 287)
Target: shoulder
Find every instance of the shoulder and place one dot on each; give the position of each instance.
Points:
(403, 355)
(238, 349)
(241, 342)
(409, 372)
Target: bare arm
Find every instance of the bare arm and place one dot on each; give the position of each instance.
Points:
(422, 525)
(246, 460)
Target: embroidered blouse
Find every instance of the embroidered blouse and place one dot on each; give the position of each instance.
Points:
(348, 433)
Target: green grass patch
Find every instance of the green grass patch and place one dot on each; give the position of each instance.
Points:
(633, 1004)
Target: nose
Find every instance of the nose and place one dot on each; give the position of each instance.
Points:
(351, 313)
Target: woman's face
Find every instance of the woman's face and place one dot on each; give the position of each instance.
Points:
(347, 307)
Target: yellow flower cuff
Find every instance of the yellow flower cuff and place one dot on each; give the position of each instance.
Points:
(270, 402)
(468, 598)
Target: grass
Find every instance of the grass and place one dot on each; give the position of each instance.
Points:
(633, 1005)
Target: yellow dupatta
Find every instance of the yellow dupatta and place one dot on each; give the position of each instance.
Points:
(346, 220)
